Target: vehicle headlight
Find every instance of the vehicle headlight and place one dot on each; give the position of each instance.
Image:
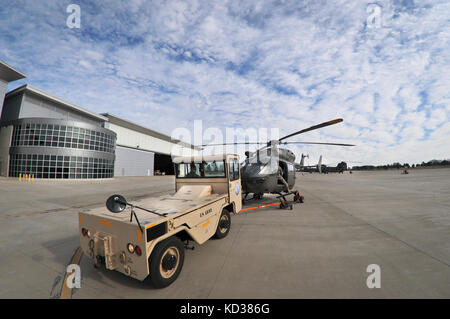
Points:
(130, 248)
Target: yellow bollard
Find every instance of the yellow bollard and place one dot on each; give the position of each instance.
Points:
(32, 177)
(20, 177)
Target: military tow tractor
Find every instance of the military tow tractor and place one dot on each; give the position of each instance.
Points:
(149, 239)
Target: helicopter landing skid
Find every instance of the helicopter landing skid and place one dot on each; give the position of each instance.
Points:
(284, 204)
(298, 198)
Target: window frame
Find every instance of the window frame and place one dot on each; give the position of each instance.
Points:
(201, 169)
(231, 169)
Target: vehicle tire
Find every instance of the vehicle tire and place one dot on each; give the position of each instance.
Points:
(166, 261)
(224, 225)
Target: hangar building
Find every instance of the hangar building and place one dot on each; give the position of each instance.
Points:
(141, 151)
(51, 138)
(48, 137)
(7, 74)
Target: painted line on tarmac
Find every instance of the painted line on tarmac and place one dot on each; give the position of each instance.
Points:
(73, 207)
(66, 292)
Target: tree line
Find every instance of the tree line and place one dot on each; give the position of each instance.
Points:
(398, 165)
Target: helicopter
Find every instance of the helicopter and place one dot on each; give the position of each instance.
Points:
(271, 169)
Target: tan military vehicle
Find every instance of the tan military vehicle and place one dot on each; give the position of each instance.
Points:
(149, 239)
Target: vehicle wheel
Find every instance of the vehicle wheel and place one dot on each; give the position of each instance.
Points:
(223, 228)
(166, 261)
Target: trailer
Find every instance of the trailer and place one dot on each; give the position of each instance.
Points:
(147, 238)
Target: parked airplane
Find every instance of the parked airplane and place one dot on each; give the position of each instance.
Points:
(310, 168)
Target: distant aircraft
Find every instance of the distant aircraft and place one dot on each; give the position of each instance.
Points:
(321, 168)
(339, 168)
(302, 161)
(310, 168)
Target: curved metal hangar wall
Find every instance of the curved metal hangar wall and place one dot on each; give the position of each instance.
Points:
(51, 148)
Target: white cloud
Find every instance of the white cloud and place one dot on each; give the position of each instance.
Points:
(437, 117)
(408, 98)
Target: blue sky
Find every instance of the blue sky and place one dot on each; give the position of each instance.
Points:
(241, 64)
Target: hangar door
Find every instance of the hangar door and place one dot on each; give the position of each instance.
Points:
(133, 162)
(163, 163)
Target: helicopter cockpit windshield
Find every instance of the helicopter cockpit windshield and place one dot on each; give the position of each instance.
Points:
(269, 168)
(261, 165)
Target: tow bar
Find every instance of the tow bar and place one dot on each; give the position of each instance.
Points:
(283, 203)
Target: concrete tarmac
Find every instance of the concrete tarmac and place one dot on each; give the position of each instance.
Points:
(320, 249)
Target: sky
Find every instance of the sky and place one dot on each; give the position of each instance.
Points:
(382, 66)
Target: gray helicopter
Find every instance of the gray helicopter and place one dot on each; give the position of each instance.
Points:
(271, 169)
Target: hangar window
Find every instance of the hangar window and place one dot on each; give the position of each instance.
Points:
(60, 166)
(62, 136)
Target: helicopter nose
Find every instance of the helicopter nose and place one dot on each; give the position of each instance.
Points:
(256, 180)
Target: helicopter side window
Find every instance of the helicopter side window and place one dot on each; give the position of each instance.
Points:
(291, 168)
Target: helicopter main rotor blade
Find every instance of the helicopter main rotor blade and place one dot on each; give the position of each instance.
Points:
(315, 127)
(338, 144)
(238, 143)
